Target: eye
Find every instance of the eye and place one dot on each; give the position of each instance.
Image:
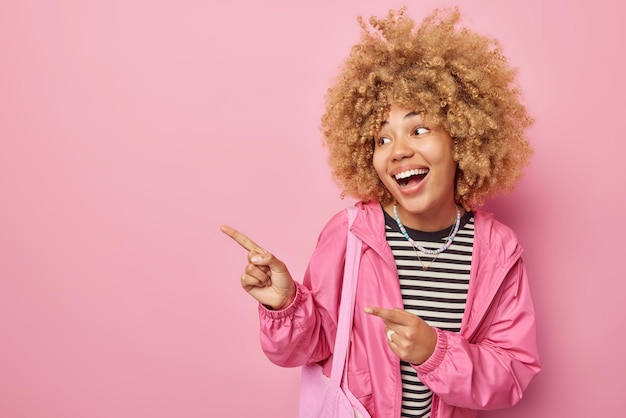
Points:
(420, 131)
(382, 140)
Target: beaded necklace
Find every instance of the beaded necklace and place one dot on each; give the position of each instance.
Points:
(419, 247)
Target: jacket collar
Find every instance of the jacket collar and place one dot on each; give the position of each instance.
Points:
(369, 227)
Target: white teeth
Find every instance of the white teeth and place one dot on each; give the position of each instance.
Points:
(410, 173)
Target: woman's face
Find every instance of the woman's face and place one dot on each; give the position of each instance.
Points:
(414, 161)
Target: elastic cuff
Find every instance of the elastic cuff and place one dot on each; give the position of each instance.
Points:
(269, 313)
(437, 356)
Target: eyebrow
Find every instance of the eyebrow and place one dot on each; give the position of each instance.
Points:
(407, 116)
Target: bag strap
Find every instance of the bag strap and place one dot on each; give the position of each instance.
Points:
(346, 305)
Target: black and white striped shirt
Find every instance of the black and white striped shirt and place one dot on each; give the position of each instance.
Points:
(437, 294)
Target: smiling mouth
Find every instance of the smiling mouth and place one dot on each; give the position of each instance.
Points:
(410, 177)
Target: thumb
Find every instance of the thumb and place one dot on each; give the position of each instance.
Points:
(268, 259)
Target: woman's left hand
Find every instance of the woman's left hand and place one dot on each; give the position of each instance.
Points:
(408, 335)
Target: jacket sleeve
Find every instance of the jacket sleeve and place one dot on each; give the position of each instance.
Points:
(493, 369)
(304, 332)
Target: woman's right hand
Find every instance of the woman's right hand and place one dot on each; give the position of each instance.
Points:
(265, 278)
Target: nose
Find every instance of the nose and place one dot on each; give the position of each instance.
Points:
(401, 149)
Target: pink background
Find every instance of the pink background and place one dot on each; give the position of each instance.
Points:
(131, 130)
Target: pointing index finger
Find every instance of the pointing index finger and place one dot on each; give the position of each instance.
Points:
(392, 315)
(240, 238)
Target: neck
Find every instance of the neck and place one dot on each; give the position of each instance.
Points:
(432, 221)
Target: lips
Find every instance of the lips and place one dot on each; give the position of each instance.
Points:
(410, 178)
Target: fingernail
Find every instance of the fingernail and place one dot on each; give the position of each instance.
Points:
(256, 259)
(368, 310)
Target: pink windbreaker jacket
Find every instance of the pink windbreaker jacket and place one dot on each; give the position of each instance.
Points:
(487, 365)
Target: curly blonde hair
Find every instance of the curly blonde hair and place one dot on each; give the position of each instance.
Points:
(457, 78)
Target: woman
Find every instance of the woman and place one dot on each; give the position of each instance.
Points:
(423, 123)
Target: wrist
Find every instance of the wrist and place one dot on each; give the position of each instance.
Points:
(286, 302)
(288, 299)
